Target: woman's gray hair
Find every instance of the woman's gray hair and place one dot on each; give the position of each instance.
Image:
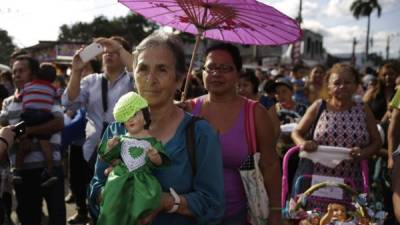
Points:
(172, 41)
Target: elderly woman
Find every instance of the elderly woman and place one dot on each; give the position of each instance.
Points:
(224, 109)
(341, 123)
(158, 71)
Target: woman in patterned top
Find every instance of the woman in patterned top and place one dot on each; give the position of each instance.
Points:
(342, 123)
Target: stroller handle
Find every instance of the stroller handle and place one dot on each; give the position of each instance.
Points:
(315, 187)
(285, 175)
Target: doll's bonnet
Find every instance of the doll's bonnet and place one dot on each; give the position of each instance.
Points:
(128, 105)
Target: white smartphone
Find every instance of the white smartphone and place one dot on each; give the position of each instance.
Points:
(91, 51)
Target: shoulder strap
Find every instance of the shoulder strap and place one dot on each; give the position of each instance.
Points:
(190, 142)
(322, 107)
(250, 125)
(104, 92)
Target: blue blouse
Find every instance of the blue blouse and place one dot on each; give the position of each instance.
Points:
(204, 191)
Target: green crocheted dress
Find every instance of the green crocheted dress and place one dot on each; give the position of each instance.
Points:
(131, 191)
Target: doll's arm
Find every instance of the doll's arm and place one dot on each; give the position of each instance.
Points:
(111, 143)
(154, 157)
(111, 149)
(326, 219)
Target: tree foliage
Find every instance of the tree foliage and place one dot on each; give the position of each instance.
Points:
(362, 8)
(132, 27)
(6, 47)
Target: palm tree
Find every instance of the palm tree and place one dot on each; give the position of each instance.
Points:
(362, 8)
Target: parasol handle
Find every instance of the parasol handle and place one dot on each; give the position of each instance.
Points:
(188, 75)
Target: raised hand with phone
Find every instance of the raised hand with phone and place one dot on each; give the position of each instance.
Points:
(116, 58)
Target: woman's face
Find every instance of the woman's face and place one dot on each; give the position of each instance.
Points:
(245, 88)
(389, 77)
(342, 85)
(155, 75)
(317, 76)
(220, 75)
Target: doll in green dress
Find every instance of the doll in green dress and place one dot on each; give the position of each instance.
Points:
(131, 191)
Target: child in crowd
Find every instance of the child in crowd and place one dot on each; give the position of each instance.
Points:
(131, 185)
(38, 97)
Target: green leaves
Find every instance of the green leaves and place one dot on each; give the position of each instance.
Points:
(132, 27)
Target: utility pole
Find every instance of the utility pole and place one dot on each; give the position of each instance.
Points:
(353, 54)
(299, 17)
(387, 47)
(393, 35)
(296, 51)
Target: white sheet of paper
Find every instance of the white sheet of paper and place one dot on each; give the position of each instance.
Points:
(329, 156)
(328, 192)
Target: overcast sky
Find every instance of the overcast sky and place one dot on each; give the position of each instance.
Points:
(30, 21)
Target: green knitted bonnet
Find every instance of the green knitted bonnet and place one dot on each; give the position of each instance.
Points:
(128, 105)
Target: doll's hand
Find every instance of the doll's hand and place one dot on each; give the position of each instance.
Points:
(330, 209)
(112, 142)
(154, 156)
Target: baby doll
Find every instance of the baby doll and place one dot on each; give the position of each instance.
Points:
(336, 215)
(131, 191)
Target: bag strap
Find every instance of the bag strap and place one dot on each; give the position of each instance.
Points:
(250, 126)
(104, 92)
(191, 142)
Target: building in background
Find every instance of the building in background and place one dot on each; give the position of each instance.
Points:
(58, 52)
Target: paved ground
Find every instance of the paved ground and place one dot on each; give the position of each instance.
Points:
(70, 207)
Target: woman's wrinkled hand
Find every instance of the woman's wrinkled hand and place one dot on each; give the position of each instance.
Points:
(166, 202)
(356, 153)
(309, 146)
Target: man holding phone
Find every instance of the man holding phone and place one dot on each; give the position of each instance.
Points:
(97, 93)
(29, 193)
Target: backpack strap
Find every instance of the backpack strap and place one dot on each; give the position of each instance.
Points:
(191, 142)
(250, 127)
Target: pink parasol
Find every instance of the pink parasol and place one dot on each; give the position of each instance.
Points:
(236, 21)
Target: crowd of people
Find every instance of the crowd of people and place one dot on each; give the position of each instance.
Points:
(83, 116)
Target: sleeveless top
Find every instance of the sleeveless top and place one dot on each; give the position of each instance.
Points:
(235, 150)
(342, 129)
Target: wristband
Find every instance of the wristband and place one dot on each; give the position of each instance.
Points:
(177, 201)
(4, 141)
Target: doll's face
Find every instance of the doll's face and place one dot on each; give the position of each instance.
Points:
(135, 124)
(339, 212)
